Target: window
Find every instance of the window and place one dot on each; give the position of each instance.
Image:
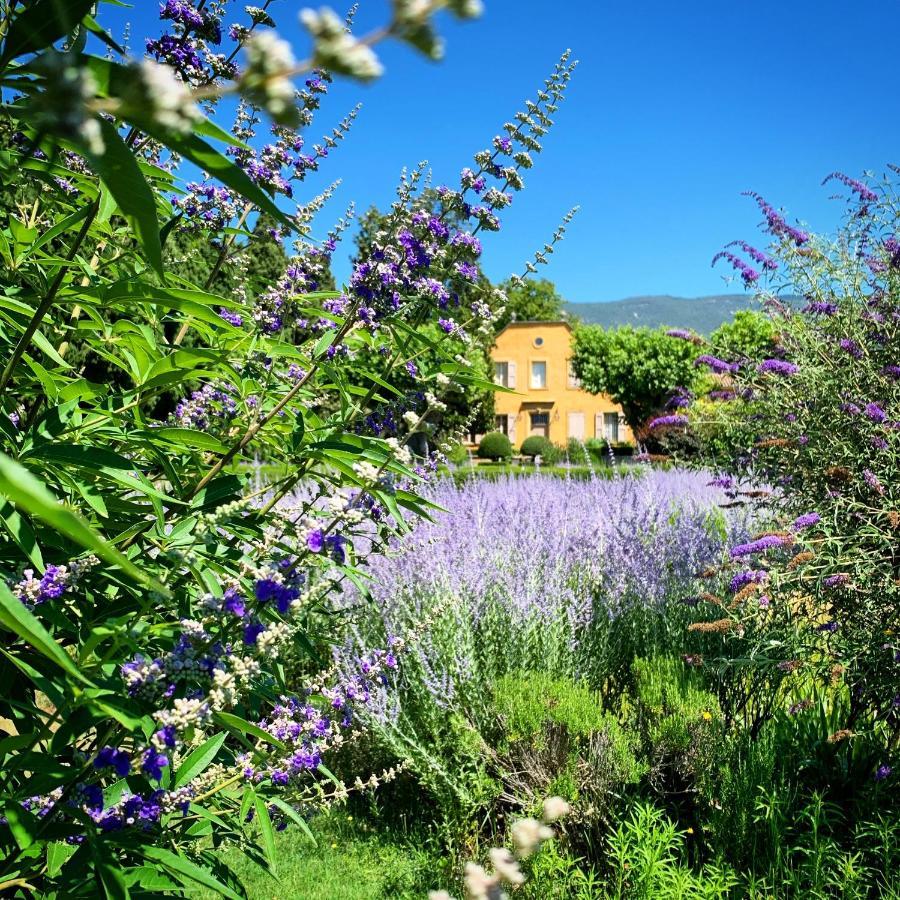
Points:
(611, 427)
(540, 423)
(501, 374)
(538, 376)
(538, 342)
(501, 423)
(573, 380)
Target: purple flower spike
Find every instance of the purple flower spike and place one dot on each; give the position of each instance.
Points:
(778, 367)
(668, 422)
(807, 520)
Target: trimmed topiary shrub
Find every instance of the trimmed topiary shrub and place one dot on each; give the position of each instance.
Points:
(495, 445)
(537, 445)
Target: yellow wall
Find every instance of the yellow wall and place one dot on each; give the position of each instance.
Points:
(519, 345)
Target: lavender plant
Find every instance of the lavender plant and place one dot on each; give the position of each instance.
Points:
(148, 595)
(526, 575)
(817, 419)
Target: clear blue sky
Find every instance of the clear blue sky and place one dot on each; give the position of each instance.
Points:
(675, 109)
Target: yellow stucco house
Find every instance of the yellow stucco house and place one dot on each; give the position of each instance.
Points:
(533, 358)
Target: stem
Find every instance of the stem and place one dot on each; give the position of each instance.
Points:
(47, 302)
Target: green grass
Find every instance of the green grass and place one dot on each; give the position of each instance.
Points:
(353, 861)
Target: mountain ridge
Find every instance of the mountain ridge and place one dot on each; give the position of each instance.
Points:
(702, 314)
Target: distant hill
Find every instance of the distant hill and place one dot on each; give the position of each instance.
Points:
(702, 314)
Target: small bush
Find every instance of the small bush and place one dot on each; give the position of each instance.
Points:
(495, 445)
(537, 445)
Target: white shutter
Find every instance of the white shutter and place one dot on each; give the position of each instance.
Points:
(510, 374)
(511, 420)
(598, 425)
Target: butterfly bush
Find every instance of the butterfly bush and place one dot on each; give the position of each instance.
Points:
(820, 422)
(525, 574)
(150, 591)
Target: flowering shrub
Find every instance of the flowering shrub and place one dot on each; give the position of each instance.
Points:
(819, 420)
(148, 595)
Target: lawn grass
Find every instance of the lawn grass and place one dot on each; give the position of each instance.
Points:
(351, 861)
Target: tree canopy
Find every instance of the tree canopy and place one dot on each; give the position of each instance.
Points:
(530, 300)
(639, 368)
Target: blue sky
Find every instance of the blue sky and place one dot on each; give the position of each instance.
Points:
(674, 110)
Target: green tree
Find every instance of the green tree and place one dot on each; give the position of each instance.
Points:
(749, 335)
(530, 300)
(638, 367)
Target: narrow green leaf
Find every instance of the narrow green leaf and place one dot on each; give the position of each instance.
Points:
(187, 437)
(111, 878)
(20, 530)
(180, 866)
(20, 486)
(236, 723)
(295, 817)
(198, 759)
(266, 830)
(120, 172)
(22, 824)
(15, 617)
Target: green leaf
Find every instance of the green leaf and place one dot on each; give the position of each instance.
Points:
(17, 618)
(187, 437)
(119, 171)
(236, 723)
(198, 759)
(57, 855)
(180, 866)
(20, 530)
(22, 824)
(20, 486)
(266, 829)
(111, 878)
(41, 24)
(295, 817)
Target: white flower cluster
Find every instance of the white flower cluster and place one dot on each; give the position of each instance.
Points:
(400, 451)
(159, 94)
(266, 81)
(336, 49)
(527, 835)
(185, 713)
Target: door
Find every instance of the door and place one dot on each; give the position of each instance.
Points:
(576, 425)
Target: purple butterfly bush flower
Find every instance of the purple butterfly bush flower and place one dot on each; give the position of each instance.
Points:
(776, 223)
(760, 545)
(717, 365)
(807, 520)
(875, 413)
(863, 191)
(778, 367)
(749, 576)
(673, 421)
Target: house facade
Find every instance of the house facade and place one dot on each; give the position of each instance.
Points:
(533, 359)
